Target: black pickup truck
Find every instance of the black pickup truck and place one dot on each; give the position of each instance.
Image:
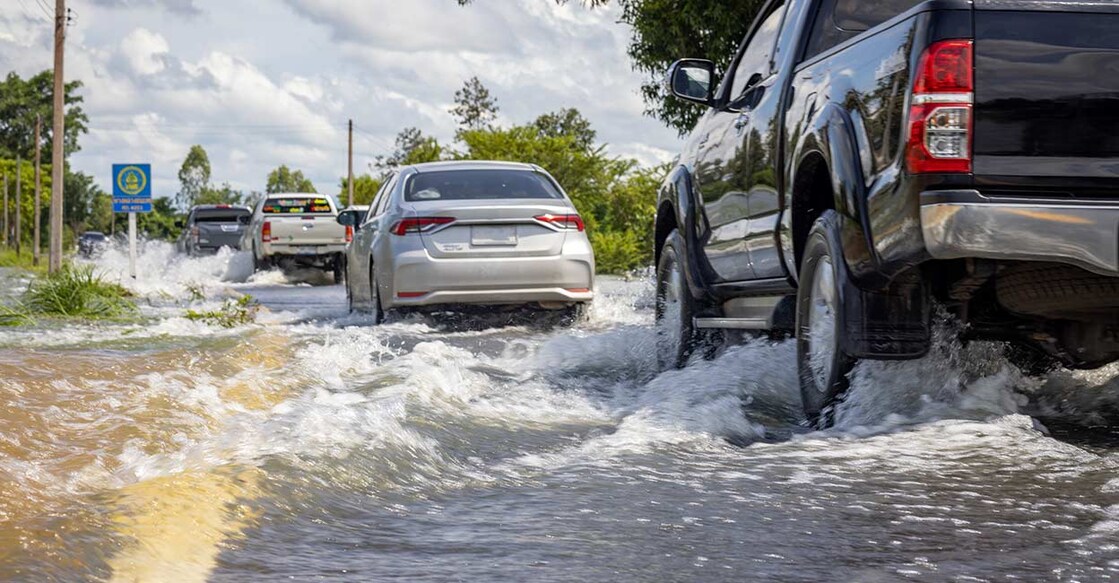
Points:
(865, 160)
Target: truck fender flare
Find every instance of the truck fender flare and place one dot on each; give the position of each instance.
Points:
(832, 138)
(678, 191)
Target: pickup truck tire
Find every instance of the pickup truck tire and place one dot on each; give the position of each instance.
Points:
(260, 263)
(677, 337)
(1056, 290)
(339, 268)
(823, 362)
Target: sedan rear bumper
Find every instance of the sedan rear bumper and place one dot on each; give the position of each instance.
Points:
(421, 280)
(965, 223)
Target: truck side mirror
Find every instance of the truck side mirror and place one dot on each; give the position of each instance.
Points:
(692, 80)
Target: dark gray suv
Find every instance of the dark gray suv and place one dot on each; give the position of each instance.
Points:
(212, 226)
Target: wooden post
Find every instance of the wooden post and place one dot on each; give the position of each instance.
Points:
(19, 205)
(37, 243)
(350, 163)
(6, 238)
(58, 135)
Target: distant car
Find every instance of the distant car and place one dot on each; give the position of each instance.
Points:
(461, 233)
(210, 227)
(92, 243)
(296, 229)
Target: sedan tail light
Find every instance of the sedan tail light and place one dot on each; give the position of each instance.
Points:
(571, 222)
(266, 232)
(940, 118)
(418, 224)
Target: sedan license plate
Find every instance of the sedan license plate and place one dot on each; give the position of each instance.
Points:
(305, 250)
(493, 236)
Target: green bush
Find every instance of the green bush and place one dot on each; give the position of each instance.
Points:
(618, 251)
(232, 313)
(77, 292)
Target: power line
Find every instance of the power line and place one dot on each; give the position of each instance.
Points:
(31, 12)
(45, 8)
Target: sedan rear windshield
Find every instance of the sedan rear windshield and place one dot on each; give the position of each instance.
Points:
(479, 185)
(297, 205)
(220, 215)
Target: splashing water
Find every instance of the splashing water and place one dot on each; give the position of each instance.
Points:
(314, 442)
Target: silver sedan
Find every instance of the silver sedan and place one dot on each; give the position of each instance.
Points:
(462, 233)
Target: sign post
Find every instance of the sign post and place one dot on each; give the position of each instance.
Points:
(132, 193)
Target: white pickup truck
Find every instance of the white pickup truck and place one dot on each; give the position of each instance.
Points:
(296, 230)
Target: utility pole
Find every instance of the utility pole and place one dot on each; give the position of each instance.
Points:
(19, 203)
(36, 249)
(351, 163)
(58, 137)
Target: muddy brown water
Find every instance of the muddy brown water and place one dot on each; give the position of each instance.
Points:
(314, 446)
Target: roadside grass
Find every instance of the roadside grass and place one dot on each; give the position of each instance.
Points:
(77, 292)
(24, 261)
(232, 313)
(14, 316)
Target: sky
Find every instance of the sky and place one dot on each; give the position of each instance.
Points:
(259, 83)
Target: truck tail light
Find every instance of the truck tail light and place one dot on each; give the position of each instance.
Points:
(266, 232)
(418, 224)
(572, 222)
(194, 232)
(940, 117)
(349, 233)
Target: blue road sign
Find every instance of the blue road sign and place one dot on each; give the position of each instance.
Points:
(132, 188)
(132, 207)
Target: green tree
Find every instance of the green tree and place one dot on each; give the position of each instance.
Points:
(26, 197)
(224, 194)
(21, 99)
(162, 222)
(79, 193)
(412, 147)
(365, 188)
(194, 177)
(284, 179)
(474, 107)
(666, 30)
(567, 122)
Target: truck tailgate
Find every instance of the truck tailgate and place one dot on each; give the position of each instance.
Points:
(306, 230)
(1047, 95)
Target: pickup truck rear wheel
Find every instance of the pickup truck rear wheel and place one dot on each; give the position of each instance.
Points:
(339, 268)
(823, 362)
(677, 337)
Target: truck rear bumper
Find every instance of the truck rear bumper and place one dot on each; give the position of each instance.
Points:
(296, 250)
(965, 223)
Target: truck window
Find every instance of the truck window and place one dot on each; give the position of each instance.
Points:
(219, 215)
(838, 20)
(756, 60)
(298, 205)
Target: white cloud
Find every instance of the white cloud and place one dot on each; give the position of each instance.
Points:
(260, 83)
(145, 51)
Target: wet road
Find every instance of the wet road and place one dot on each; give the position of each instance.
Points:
(314, 446)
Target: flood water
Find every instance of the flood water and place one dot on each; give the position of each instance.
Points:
(312, 445)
